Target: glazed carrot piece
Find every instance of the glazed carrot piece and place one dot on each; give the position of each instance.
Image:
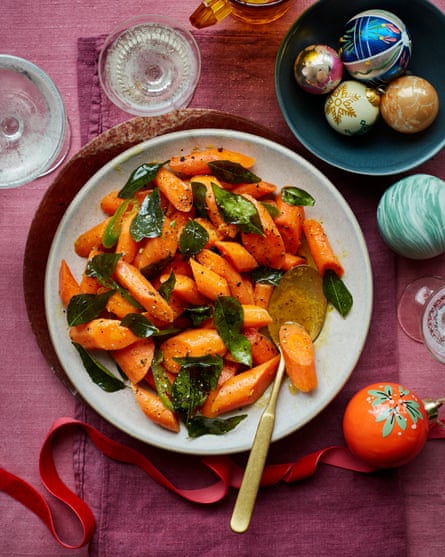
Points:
(159, 249)
(111, 202)
(262, 293)
(187, 290)
(290, 224)
(90, 285)
(224, 229)
(154, 409)
(191, 342)
(244, 388)
(268, 249)
(119, 306)
(68, 285)
(209, 283)
(211, 260)
(135, 360)
(229, 370)
(291, 261)
(102, 334)
(256, 190)
(299, 356)
(177, 191)
(198, 162)
(143, 291)
(126, 245)
(212, 231)
(255, 316)
(90, 239)
(263, 349)
(237, 255)
(320, 248)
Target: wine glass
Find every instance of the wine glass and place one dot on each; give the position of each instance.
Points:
(149, 65)
(35, 136)
(421, 313)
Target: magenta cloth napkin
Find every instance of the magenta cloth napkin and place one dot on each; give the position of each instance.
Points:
(334, 513)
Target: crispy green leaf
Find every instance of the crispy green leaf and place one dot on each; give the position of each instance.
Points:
(193, 238)
(166, 288)
(150, 218)
(232, 172)
(296, 196)
(236, 209)
(139, 325)
(200, 425)
(140, 177)
(98, 373)
(113, 229)
(85, 307)
(199, 314)
(199, 192)
(228, 317)
(267, 275)
(337, 293)
(161, 380)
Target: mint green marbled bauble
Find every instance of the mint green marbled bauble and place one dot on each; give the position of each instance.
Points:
(411, 216)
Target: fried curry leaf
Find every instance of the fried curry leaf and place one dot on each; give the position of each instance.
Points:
(161, 380)
(193, 238)
(267, 275)
(98, 373)
(166, 287)
(228, 317)
(296, 196)
(150, 218)
(85, 307)
(140, 177)
(113, 229)
(199, 314)
(139, 325)
(200, 425)
(196, 378)
(199, 192)
(232, 172)
(236, 209)
(337, 293)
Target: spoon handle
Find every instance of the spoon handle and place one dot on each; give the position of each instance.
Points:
(245, 502)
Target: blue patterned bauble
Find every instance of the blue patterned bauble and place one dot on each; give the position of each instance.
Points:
(411, 216)
(375, 47)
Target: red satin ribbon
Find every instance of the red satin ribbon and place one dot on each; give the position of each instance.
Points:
(229, 475)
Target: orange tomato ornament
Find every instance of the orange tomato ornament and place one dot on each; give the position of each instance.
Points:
(385, 425)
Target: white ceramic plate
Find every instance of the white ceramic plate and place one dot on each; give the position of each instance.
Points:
(337, 348)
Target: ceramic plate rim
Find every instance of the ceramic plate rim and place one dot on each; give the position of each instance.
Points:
(241, 439)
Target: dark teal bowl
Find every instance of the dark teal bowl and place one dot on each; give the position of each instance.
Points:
(381, 151)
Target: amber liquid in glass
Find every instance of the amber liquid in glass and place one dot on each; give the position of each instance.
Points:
(259, 11)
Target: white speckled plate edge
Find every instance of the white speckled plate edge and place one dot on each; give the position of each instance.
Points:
(338, 347)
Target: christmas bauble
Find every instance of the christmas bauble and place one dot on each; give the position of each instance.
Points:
(385, 425)
(375, 46)
(352, 108)
(411, 216)
(318, 69)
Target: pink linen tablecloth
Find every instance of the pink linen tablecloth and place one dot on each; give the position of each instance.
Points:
(393, 513)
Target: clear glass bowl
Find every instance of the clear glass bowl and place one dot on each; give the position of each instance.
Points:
(149, 66)
(35, 136)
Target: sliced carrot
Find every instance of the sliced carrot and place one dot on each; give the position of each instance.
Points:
(290, 224)
(237, 255)
(268, 249)
(186, 288)
(229, 370)
(291, 261)
(102, 334)
(262, 293)
(119, 306)
(90, 239)
(320, 248)
(111, 202)
(154, 409)
(244, 388)
(177, 191)
(68, 285)
(160, 249)
(256, 190)
(212, 231)
(191, 342)
(263, 349)
(299, 356)
(223, 268)
(209, 283)
(126, 245)
(198, 162)
(255, 316)
(135, 360)
(143, 291)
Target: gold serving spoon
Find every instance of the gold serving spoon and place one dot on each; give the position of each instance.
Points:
(297, 298)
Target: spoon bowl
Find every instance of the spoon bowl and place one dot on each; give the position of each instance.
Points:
(298, 298)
